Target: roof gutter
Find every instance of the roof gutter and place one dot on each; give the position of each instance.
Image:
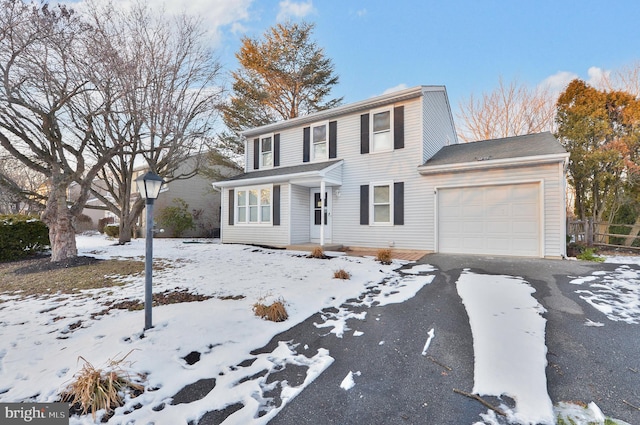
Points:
(479, 165)
(371, 103)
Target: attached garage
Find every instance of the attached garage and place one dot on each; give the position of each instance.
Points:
(498, 197)
(496, 220)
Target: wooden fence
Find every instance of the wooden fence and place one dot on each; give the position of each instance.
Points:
(604, 234)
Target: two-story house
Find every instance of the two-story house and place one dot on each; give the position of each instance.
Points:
(389, 172)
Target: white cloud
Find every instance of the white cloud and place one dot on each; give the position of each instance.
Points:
(597, 76)
(395, 88)
(360, 13)
(292, 9)
(557, 82)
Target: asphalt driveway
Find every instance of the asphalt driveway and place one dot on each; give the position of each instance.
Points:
(398, 385)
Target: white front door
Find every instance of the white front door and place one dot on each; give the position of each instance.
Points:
(316, 215)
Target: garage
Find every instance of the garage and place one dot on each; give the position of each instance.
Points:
(495, 219)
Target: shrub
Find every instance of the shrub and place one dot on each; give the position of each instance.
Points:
(384, 256)
(21, 236)
(112, 230)
(275, 312)
(177, 217)
(103, 222)
(83, 223)
(341, 274)
(589, 255)
(317, 252)
(95, 389)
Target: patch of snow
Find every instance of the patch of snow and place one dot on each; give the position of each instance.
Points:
(358, 333)
(622, 259)
(593, 324)
(501, 309)
(431, 334)
(348, 382)
(417, 269)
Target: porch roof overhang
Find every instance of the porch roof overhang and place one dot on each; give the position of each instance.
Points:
(309, 175)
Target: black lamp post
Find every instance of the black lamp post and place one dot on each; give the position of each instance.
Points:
(149, 186)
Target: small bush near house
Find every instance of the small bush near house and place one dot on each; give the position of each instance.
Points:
(83, 223)
(103, 222)
(94, 389)
(112, 230)
(317, 252)
(589, 254)
(275, 312)
(177, 218)
(22, 236)
(341, 274)
(384, 256)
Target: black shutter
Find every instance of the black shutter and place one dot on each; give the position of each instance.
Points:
(398, 127)
(364, 204)
(256, 154)
(364, 133)
(231, 204)
(276, 205)
(306, 144)
(276, 150)
(333, 139)
(398, 203)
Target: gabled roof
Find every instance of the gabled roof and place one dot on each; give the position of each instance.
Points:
(531, 147)
(363, 105)
(277, 174)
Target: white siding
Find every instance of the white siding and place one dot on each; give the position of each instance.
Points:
(551, 177)
(399, 166)
(266, 234)
(300, 214)
(438, 129)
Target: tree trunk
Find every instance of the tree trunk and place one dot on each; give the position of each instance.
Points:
(62, 233)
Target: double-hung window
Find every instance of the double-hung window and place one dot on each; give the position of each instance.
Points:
(266, 152)
(381, 131)
(253, 205)
(319, 142)
(382, 203)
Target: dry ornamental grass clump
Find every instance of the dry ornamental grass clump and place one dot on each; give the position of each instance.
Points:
(384, 256)
(95, 389)
(275, 312)
(317, 252)
(341, 274)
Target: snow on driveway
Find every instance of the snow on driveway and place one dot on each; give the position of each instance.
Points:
(508, 343)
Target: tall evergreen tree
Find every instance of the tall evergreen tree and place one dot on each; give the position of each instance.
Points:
(283, 75)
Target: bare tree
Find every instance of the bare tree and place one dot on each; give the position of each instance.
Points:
(168, 77)
(626, 79)
(509, 110)
(46, 120)
(19, 187)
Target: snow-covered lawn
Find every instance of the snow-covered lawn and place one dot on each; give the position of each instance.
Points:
(43, 338)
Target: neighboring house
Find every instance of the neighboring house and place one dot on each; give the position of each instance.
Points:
(196, 191)
(388, 172)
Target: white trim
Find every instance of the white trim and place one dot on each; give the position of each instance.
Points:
(492, 163)
(373, 112)
(541, 215)
(261, 164)
(390, 185)
(259, 206)
(324, 124)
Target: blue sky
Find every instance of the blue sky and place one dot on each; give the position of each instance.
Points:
(379, 45)
(466, 45)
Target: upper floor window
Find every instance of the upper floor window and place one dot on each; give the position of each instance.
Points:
(319, 143)
(253, 205)
(382, 139)
(266, 152)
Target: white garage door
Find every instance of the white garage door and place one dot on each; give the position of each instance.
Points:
(498, 220)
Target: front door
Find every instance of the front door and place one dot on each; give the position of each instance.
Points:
(316, 217)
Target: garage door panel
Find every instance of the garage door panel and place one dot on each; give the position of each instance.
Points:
(500, 220)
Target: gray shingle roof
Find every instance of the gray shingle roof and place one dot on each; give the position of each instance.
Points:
(511, 147)
(283, 171)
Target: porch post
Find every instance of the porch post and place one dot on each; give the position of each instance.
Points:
(322, 207)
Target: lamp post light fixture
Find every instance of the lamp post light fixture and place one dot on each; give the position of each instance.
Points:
(149, 186)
